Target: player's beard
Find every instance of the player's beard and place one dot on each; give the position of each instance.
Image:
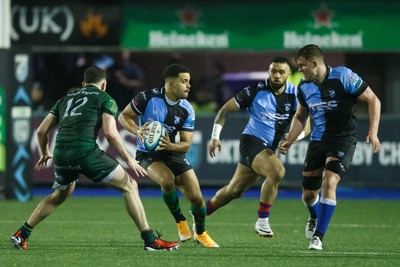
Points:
(275, 86)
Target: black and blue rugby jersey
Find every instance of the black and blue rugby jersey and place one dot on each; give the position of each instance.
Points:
(270, 114)
(332, 104)
(151, 105)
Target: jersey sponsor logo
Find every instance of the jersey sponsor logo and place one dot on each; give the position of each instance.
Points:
(277, 117)
(321, 106)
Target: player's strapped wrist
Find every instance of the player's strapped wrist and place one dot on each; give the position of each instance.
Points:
(216, 131)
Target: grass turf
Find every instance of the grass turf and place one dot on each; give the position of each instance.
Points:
(98, 232)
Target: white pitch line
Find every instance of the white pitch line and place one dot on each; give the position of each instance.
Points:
(348, 253)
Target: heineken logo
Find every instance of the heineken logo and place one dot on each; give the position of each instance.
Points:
(292, 39)
(329, 24)
(199, 39)
(321, 33)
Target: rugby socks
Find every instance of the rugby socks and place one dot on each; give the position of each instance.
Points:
(148, 236)
(264, 210)
(313, 208)
(199, 215)
(210, 207)
(172, 201)
(26, 230)
(326, 209)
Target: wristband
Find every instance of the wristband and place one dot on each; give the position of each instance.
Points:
(216, 131)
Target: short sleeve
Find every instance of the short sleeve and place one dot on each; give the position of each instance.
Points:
(110, 106)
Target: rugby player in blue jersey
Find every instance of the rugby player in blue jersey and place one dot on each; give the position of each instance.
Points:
(330, 95)
(168, 166)
(271, 105)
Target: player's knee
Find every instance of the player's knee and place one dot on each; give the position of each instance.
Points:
(309, 196)
(337, 167)
(280, 174)
(197, 202)
(132, 184)
(312, 182)
(277, 176)
(126, 184)
(167, 185)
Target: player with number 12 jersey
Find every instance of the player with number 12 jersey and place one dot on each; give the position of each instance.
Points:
(80, 116)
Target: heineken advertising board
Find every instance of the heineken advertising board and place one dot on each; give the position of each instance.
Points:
(334, 25)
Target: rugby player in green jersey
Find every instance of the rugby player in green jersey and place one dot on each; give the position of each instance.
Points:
(79, 116)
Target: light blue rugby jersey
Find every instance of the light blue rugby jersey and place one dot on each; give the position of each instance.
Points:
(332, 104)
(151, 105)
(270, 114)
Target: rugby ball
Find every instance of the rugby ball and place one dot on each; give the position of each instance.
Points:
(156, 131)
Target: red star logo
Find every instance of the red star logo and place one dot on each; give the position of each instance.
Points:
(188, 17)
(323, 17)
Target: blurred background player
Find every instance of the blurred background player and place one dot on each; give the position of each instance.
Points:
(168, 166)
(271, 105)
(80, 115)
(330, 95)
(128, 79)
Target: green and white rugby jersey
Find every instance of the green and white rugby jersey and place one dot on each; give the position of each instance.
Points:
(80, 113)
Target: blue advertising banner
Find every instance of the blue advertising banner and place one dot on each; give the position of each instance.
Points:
(18, 183)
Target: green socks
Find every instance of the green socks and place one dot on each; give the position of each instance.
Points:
(172, 201)
(148, 236)
(199, 215)
(26, 230)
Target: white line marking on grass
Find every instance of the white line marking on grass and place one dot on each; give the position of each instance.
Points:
(347, 253)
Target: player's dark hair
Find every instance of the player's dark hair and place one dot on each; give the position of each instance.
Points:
(94, 75)
(281, 60)
(310, 52)
(173, 70)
